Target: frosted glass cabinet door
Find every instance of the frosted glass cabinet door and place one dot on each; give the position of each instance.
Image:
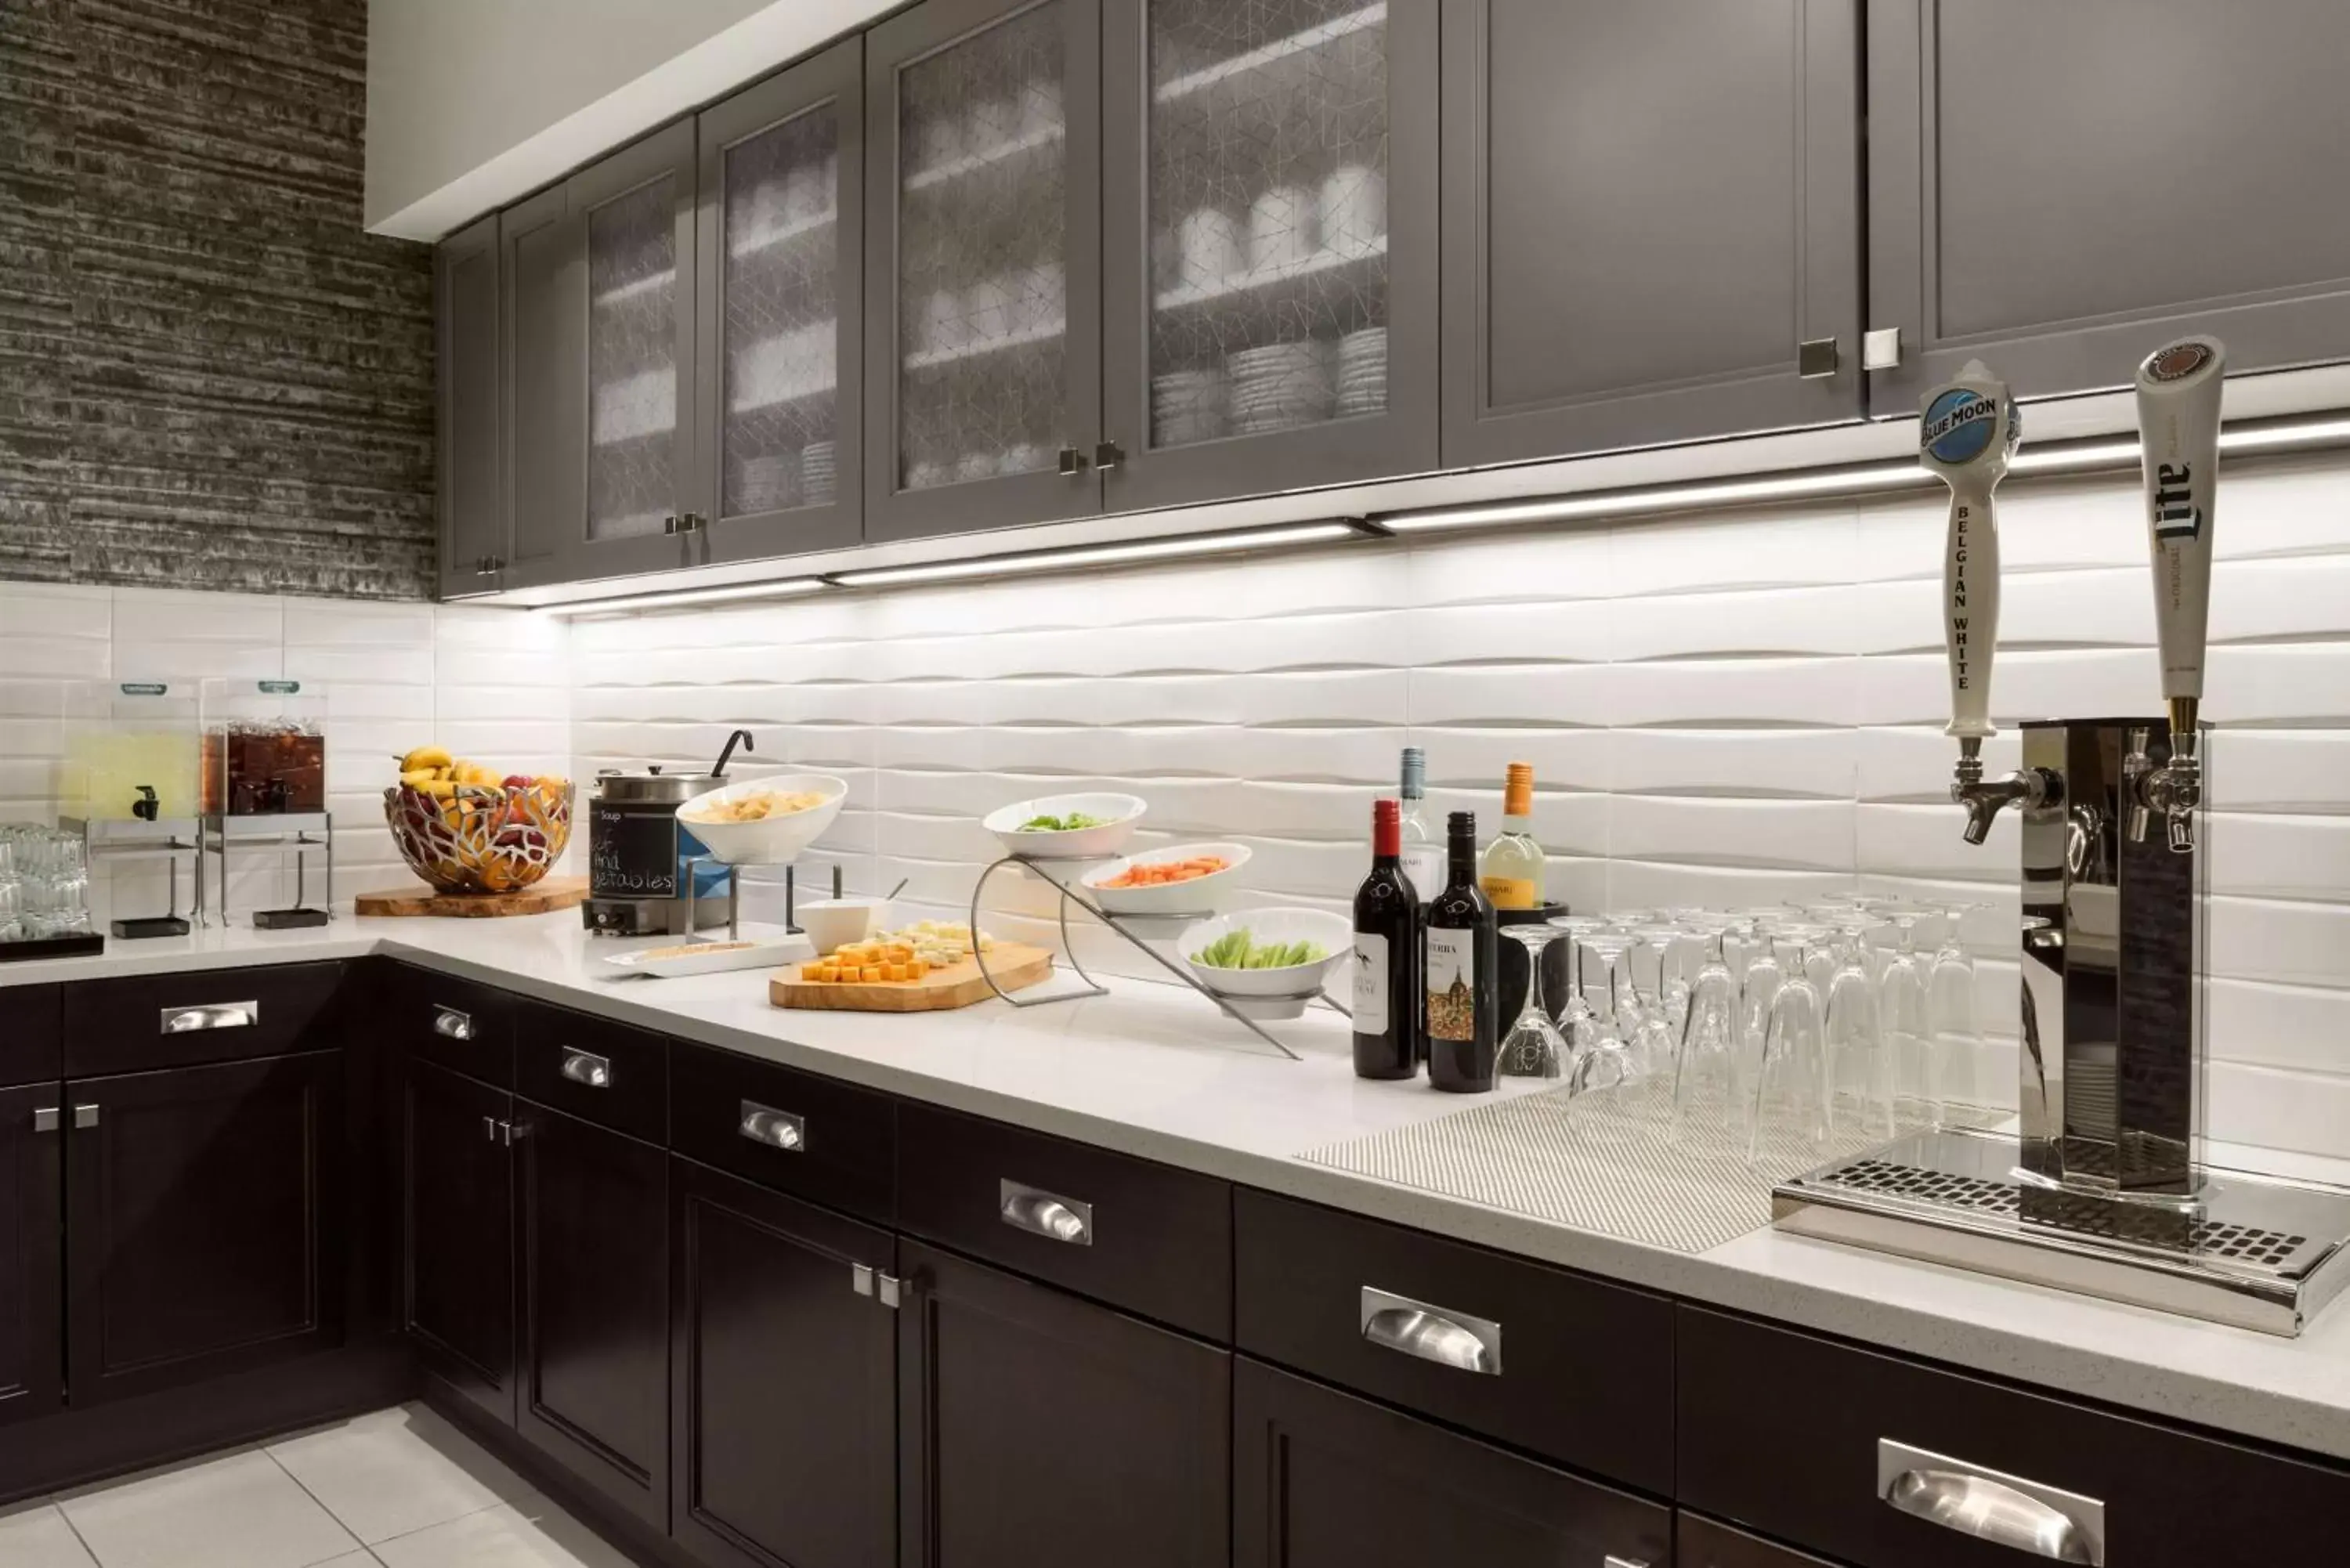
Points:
(1271, 285)
(2201, 188)
(983, 309)
(780, 305)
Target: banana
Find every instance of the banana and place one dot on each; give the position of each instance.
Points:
(425, 757)
(417, 778)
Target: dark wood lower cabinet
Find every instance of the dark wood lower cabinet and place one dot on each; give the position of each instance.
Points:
(783, 1423)
(1700, 1543)
(1035, 1428)
(593, 1393)
(205, 1221)
(457, 1238)
(32, 1218)
(1326, 1479)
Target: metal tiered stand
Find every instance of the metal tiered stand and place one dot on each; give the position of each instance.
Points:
(1136, 929)
(302, 831)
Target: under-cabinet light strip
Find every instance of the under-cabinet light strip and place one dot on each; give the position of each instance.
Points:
(1101, 555)
(2079, 457)
(786, 588)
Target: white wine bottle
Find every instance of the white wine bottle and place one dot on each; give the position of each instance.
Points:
(1510, 872)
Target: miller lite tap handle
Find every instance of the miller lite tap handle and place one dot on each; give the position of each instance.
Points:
(1968, 428)
(2179, 434)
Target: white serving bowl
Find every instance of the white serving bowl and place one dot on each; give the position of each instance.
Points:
(1119, 812)
(778, 840)
(832, 924)
(1270, 992)
(1200, 895)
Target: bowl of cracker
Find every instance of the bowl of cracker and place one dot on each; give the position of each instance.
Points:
(765, 821)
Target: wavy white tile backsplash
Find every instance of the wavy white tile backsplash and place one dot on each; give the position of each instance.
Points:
(1726, 708)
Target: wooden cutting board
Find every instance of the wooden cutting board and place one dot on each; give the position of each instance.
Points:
(546, 893)
(1013, 964)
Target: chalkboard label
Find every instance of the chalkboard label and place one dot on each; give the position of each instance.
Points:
(631, 853)
(279, 687)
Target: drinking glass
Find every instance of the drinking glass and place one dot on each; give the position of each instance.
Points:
(1856, 1045)
(1705, 1062)
(1915, 1083)
(1950, 1005)
(1792, 1083)
(1605, 1062)
(1532, 1048)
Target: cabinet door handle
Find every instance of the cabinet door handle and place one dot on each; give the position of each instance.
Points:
(452, 1025)
(1073, 462)
(774, 1128)
(1881, 349)
(45, 1118)
(1045, 1214)
(1108, 455)
(585, 1067)
(1434, 1333)
(85, 1116)
(512, 1133)
(218, 1015)
(1817, 359)
(860, 1278)
(1612, 1561)
(2004, 1510)
(490, 1128)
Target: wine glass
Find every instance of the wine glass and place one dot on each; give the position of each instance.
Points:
(1532, 1048)
(1605, 1061)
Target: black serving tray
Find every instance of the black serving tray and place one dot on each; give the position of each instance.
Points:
(52, 948)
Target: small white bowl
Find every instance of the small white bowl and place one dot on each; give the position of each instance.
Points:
(1119, 812)
(832, 924)
(1200, 895)
(777, 840)
(1270, 992)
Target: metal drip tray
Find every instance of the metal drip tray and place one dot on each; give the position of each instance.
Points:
(2264, 1252)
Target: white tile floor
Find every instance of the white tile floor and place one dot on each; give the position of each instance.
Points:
(396, 1489)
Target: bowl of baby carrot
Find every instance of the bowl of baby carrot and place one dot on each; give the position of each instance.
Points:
(1180, 879)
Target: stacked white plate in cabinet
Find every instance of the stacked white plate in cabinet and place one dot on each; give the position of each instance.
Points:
(1188, 406)
(1281, 385)
(1363, 372)
(817, 476)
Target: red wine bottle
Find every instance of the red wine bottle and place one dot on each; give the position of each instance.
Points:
(1387, 1002)
(1462, 970)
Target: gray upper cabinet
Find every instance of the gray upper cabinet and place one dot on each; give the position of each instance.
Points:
(2113, 173)
(474, 543)
(1269, 202)
(983, 338)
(599, 365)
(780, 307)
(1649, 213)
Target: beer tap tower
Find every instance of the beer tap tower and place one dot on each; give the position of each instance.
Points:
(2103, 1188)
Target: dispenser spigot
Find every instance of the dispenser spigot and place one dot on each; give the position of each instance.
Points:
(1984, 798)
(2174, 788)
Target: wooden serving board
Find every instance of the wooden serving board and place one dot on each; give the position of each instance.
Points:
(545, 894)
(1013, 964)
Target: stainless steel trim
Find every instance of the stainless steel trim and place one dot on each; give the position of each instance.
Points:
(490, 1128)
(587, 1067)
(45, 1118)
(451, 1024)
(892, 1290)
(213, 1015)
(85, 1116)
(860, 1278)
(1434, 1333)
(1612, 1561)
(2006, 1510)
(1880, 349)
(774, 1128)
(1045, 1214)
(1817, 359)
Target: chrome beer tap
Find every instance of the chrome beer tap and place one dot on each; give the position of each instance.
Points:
(1968, 430)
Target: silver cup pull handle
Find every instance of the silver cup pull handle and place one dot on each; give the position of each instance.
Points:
(452, 1025)
(774, 1128)
(218, 1015)
(1045, 1214)
(583, 1067)
(2004, 1510)
(1434, 1333)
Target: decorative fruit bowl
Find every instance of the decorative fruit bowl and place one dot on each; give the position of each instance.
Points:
(481, 837)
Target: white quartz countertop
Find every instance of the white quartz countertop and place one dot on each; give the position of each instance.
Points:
(1151, 1070)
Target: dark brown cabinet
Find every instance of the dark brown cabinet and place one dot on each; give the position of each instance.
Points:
(783, 1424)
(1034, 1427)
(457, 1238)
(593, 1386)
(205, 1220)
(2037, 199)
(32, 1372)
(1652, 222)
(1700, 1543)
(1324, 1479)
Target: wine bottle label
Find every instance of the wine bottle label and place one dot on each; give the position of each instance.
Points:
(1509, 892)
(1451, 985)
(1423, 867)
(1371, 983)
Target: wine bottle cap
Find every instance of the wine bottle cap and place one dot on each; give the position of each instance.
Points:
(1462, 825)
(1415, 772)
(1386, 827)
(1518, 791)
